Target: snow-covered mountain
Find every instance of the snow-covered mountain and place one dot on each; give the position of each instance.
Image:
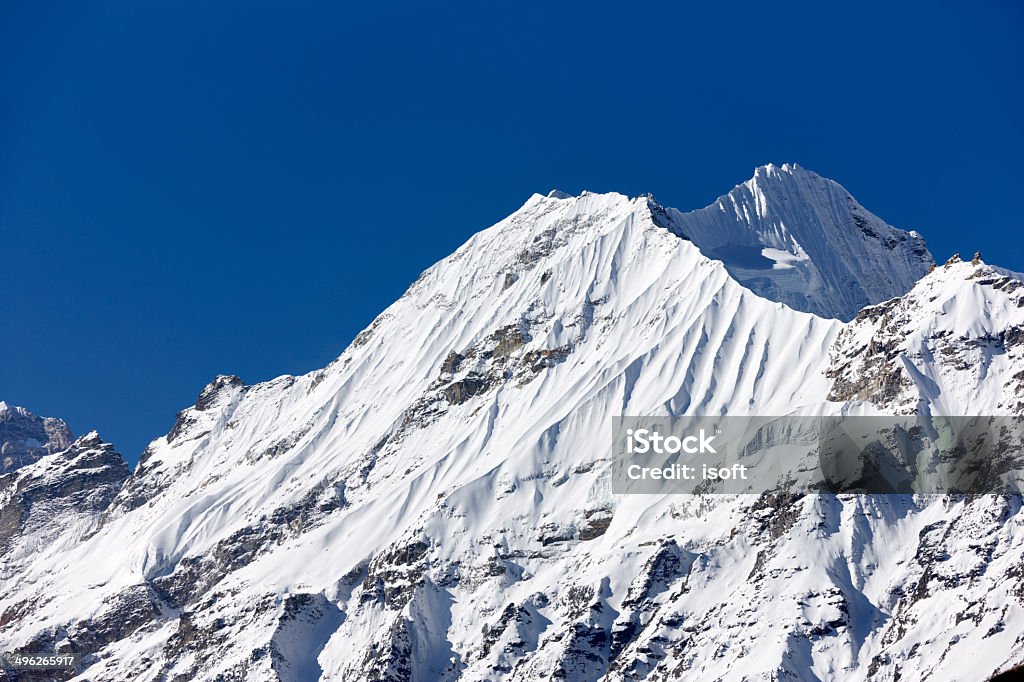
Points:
(436, 503)
(793, 236)
(50, 505)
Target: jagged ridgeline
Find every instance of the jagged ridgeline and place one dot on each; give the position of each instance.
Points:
(437, 504)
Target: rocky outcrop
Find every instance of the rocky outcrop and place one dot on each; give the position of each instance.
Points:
(24, 437)
(59, 497)
(902, 353)
(218, 391)
(213, 407)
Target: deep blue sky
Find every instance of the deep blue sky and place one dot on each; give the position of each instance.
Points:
(194, 188)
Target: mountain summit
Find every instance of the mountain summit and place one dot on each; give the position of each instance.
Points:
(795, 237)
(436, 503)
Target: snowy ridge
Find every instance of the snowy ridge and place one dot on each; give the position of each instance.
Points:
(435, 504)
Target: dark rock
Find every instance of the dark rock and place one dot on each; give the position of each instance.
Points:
(507, 340)
(393, 575)
(460, 391)
(783, 511)
(596, 524)
(451, 363)
(208, 396)
(538, 360)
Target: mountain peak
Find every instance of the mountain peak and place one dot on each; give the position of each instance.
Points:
(769, 169)
(48, 504)
(787, 234)
(772, 172)
(24, 437)
(793, 236)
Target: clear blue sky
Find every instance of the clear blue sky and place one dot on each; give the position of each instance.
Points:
(194, 188)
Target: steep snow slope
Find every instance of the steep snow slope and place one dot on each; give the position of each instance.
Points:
(793, 236)
(436, 503)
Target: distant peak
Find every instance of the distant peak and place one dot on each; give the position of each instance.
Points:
(793, 236)
(558, 194)
(795, 170)
(24, 437)
(91, 439)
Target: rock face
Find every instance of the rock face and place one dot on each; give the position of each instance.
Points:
(24, 437)
(436, 503)
(40, 501)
